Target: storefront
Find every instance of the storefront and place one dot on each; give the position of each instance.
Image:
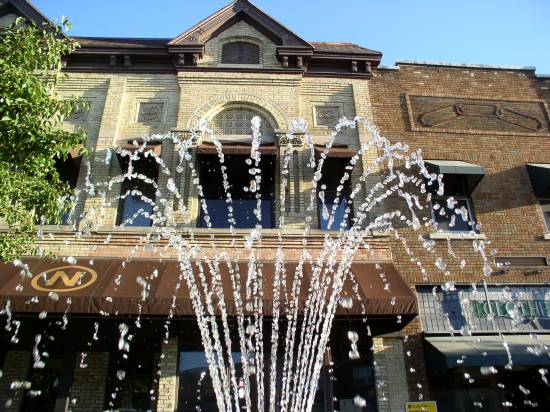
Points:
(99, 328)
(487, 346)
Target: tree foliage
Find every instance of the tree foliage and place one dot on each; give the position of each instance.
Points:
(31, 132)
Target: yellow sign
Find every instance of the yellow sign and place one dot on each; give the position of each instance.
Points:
(428, 406)
(64, 279)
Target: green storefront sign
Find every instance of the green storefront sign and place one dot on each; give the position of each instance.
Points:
(529, 309)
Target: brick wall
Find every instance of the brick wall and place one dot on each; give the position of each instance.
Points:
(89, 384)
(390, 376)
(15, 369)
(167, 383)
(504, 201)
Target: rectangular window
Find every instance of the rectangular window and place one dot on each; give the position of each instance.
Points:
(137, 195)
(545, 209)
(336, 210)
(68, 170)
(453, 212)
(244, 200)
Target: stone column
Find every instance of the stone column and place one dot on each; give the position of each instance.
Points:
(89, 384)
(390, 374)
(168, 376)
(16, 367)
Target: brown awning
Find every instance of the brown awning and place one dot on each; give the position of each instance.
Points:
(345, 152)
(118, 287)
(236, 149)
(156, 148)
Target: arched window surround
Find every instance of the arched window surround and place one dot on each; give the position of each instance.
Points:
(233, 120)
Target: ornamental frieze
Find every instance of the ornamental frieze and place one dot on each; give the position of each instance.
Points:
(431, 113)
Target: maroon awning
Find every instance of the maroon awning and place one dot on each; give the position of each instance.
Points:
(336, 151)
(150, 287)
(236, 149)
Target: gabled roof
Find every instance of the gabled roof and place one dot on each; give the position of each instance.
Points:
(231, 14)
(24, 8)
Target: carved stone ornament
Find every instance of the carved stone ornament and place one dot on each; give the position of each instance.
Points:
(150, 112)
(80, 115)
(326, 115)
(284, 61)
(447, 114)
(294, 140)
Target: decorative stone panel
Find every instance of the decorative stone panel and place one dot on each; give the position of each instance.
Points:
(327, 115)
(82, 114)
(150, 112)
(464, 115)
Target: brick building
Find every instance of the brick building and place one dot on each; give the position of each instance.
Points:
(484, 128)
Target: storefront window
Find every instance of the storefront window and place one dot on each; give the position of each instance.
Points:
(352, 378)
(130, 382)
(195, 385)
(466, 389)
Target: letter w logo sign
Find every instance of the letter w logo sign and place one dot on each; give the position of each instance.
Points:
(69, 282)
(64, 279)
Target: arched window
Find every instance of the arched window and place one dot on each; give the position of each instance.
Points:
(237, 121)
(240, 53)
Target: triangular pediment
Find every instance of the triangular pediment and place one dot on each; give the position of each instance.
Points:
(233, 13)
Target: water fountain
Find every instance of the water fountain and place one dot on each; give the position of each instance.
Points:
(281, 315)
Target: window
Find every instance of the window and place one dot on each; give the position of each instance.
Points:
(68, 170)
(244, 201)
(195, 384)
(545, 209)
(453, 212)
(539, 174)
(240, 53)
(134, 391)
(137, 195)
(237, 121)
(334, 209)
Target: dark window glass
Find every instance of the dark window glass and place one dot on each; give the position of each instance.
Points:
(447, 217)
(240, 53)
(133, 392)
(352, 378)
(244, 202)
(135, 205)
(68, 171)
(195, 385)
(332, 172)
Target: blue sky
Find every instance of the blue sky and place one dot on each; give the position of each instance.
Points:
(497, 32)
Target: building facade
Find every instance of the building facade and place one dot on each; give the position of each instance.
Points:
(485, 129)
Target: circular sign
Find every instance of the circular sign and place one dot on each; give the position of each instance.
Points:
(64, 279)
